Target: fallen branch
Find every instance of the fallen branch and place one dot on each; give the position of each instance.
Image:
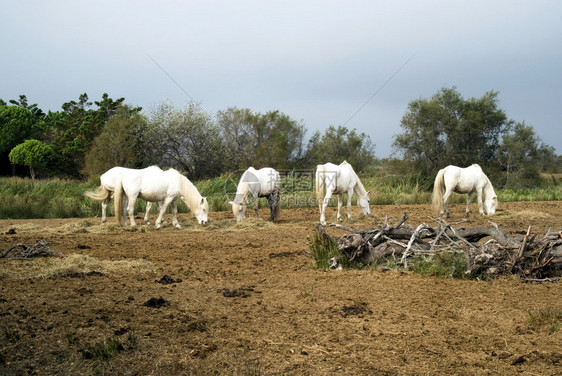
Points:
(530, 258)
(39, 249)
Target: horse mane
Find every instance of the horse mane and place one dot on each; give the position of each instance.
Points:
(359, 187)
(190, 193)
(243, 188)
(488, 188)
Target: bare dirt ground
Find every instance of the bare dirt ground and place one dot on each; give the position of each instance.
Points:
(251, 303)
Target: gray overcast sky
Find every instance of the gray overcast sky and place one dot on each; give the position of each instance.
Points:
(316, 61)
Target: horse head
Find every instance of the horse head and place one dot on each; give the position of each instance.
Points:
(364, 204)
(239, 210)
(202, 211)
(491, 203)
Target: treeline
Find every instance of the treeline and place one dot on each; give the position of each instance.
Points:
(86, 138)
(449, 129)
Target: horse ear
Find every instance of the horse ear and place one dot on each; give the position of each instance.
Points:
(231, 202)
(369, 191)
(203, 200)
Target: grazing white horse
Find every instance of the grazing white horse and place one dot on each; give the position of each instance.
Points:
(104, 192)
(153, 184)
(264, 182)
(463, 180)
(340, 179)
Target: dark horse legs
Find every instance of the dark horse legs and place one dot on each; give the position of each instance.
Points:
(273, 201)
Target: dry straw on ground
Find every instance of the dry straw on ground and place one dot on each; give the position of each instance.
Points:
(69, 266)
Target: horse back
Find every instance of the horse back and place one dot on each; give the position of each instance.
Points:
(464, 180)
(109, 177)
(269, 181)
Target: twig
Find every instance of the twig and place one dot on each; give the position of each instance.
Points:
(524, 244)
(412, 238)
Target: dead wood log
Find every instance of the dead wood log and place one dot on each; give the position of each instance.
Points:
(530, 258)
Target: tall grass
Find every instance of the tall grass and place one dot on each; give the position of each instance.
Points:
(59, 198)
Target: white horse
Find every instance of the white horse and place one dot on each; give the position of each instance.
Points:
(340, 179)
(104, 192)
(264, 182)
(153, 184)
(463, 180)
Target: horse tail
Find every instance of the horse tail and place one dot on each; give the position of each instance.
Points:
(100, 194)
(320, 185)
(438, 188)
(118, 200)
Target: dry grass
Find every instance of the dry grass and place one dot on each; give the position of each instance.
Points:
(247, 224)
(529, 215)
(72, 265)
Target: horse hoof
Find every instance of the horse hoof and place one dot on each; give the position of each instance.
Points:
(178, 227)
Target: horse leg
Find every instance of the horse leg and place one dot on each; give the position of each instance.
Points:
(125, 209)
(479, 198)
(129, 203)
(256, 204)
(340, 202)
(146, 213)
(446, 203)
(175, 222)
(270, 201)
(159, 204)
(349, 195)
(468, 199)
(167, 202)
(324, 205)
(104, 204)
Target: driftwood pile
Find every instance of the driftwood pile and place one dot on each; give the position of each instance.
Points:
(529, 257)
(21, 251)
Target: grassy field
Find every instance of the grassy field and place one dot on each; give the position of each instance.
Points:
(57, 198)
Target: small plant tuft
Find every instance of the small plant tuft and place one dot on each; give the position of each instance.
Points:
(549, 317)
(11, 335)
(103, 350)
(443, 264)
(71, 339)
(322, 249)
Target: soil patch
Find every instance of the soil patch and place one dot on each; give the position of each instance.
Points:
(251, 302)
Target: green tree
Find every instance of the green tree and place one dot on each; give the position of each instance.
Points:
(522, 156)
(339, 144)
(117, 144)
(448, 129)
(236, 129)
(187, 140)
(31, 153)
(16, 124)
(23, 102)
(71, 133)
(271, 139)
